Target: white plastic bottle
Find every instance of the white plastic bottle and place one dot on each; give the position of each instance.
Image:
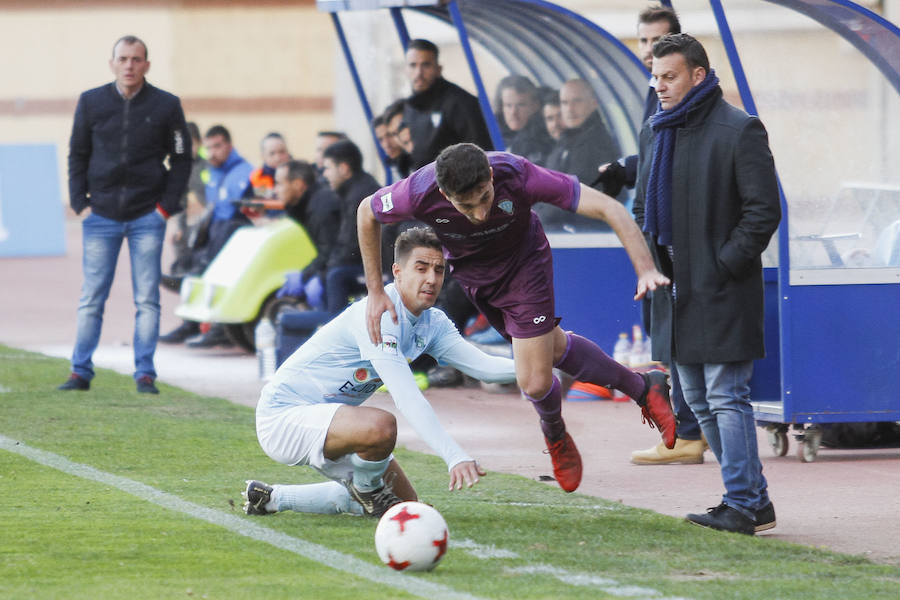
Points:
(622, 349)
(264, 340)
(637, 347)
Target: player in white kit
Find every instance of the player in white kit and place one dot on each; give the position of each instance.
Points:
(310, 413)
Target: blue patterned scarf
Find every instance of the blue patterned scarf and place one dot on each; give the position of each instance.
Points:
(658, 213)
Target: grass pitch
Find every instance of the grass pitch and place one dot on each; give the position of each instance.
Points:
(65, 535)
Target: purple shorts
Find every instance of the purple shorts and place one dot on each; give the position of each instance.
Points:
(521, 304)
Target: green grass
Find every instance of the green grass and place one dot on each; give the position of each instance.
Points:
(62, 536)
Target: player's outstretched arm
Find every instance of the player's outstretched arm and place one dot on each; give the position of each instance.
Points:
(465, 474)
(369, 233)
(597, 205)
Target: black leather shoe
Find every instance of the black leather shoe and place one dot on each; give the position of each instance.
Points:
(445, 376)
(212, 338)
(182, 332)
(725, 518)
(145, 385)
(765, 518)
(75, 382)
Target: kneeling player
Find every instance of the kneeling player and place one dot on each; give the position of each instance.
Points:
(310, 413)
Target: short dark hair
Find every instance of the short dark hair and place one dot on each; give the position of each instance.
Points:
(423, 45)
(300, 169)
(654, 14)
(218, 130)
(131, 39)
(377, 121)
(394, 108)
(415, 237)
(461, 167)
(684, 44)
(273, 135)
(345, 151)
(549, 96)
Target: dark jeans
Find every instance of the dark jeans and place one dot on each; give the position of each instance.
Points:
(340, 284)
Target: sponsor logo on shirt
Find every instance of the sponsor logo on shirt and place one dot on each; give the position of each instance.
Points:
(389, 345)
(386, 203)
(361, 374)
(539, 320)
(442, 220)
(506, 206)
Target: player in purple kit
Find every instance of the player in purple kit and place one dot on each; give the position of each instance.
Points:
(480, 207)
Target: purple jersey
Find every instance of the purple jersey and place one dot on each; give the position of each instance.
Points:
(482, 254)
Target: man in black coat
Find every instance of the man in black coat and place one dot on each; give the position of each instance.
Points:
(439, 113)
(584, 145)
(342, 163)
(122, 136)
(316, 207)
(707, 198)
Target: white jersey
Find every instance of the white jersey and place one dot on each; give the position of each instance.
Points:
(339, 364)
(335, 364)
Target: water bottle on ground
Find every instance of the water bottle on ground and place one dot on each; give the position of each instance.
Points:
(622, 355)
(264, 340)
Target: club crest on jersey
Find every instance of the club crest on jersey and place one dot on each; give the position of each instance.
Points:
(506, 206)
(420, 342)
(386, 202)
(389, 345)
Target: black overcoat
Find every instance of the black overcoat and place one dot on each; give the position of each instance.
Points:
(725, 208)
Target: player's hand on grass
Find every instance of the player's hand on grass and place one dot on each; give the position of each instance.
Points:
(377, 304)
(649, 281)
(465, 474)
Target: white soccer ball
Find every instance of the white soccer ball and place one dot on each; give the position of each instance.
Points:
(411, 536)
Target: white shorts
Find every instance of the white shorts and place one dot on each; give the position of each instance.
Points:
(294, 434)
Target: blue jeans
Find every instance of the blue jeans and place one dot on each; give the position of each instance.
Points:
(341, 283)
(719, 395)
(688, 428)
(102, 239)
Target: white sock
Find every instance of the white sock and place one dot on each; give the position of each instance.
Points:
(329, 498)
(367, 473)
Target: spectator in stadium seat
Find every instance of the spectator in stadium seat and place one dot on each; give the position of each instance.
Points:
(117, 168)
(275, 153)
(342, 162)
(323, 140)
(583, 146)
(552, 113)
(229, 178)
(315, 206)
(439, 113)
(518, 107)
(386, 132)
(310, 413)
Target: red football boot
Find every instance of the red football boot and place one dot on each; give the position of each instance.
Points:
(566, 462)
(656, 407)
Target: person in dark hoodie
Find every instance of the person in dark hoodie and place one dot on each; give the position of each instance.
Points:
(518, 110)
(439, 113)
(122, 135)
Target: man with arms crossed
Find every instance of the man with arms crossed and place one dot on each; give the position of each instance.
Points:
(480, 207)
(310, 413)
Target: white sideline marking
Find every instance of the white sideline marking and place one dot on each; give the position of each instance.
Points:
(560, 505)
(610, 586)
(241, 526)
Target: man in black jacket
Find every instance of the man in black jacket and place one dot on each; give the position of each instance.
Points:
(584, 145)
(708, 202)
(122, 135)
(316, 207)
(439, 113)
(342, 163)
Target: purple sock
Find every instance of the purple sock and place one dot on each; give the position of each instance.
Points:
(549, 408)
(585, 361)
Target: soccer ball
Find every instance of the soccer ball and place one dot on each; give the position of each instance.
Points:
(411, 536)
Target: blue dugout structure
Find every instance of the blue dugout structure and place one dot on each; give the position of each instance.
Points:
(811, 375)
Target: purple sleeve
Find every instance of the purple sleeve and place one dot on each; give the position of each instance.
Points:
(393, 203)
(552, 187)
